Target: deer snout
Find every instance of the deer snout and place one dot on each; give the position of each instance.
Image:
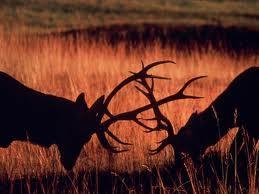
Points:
(69, 155)
(68, 165)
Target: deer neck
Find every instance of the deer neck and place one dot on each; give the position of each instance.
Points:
(214, 123)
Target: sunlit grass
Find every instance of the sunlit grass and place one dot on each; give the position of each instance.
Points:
(65, 69)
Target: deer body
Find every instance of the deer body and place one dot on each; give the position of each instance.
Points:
(42, 119)
(237, 106)
(28, 114)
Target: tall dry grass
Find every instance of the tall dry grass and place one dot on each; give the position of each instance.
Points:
(66, 68)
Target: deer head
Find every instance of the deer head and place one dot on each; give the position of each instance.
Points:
(83, 124)
(89, 120)
(183, 142)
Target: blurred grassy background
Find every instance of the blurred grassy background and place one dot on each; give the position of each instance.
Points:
(63, 68)
(57, 15)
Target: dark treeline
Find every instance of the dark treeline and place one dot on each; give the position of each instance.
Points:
(233, 40)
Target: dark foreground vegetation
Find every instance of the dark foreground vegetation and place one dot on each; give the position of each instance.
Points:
(231, 173)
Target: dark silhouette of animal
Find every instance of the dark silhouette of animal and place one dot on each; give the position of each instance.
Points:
(44, 119)
(237, 106)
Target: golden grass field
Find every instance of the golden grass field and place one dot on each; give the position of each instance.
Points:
(64, 68)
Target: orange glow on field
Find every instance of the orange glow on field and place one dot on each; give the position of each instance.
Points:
(53, 65)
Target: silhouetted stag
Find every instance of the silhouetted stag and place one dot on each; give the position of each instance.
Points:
(237, 106)
(43, 119)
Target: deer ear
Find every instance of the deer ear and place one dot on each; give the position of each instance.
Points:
(97, 106)
(194, 114)
(192, 117)
(80, 100)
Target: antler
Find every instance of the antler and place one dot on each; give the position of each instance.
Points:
(143, 73)
(132, 115)
(104, 128)
(162, 121)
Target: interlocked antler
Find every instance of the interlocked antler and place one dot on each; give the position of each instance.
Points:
(132, 115)
(104, 127)
(143, 73)
(162, 121)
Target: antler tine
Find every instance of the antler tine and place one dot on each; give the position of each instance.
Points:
(149, 129)
(145, 69)
(142, 64)
(152, 85)
(131, 115)
(104, 142)
(142, 124)
(116, 138)
(180, 94)
(149, 94)
(151, 76)
(163, 144)
(142, 91)
(181, 91)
